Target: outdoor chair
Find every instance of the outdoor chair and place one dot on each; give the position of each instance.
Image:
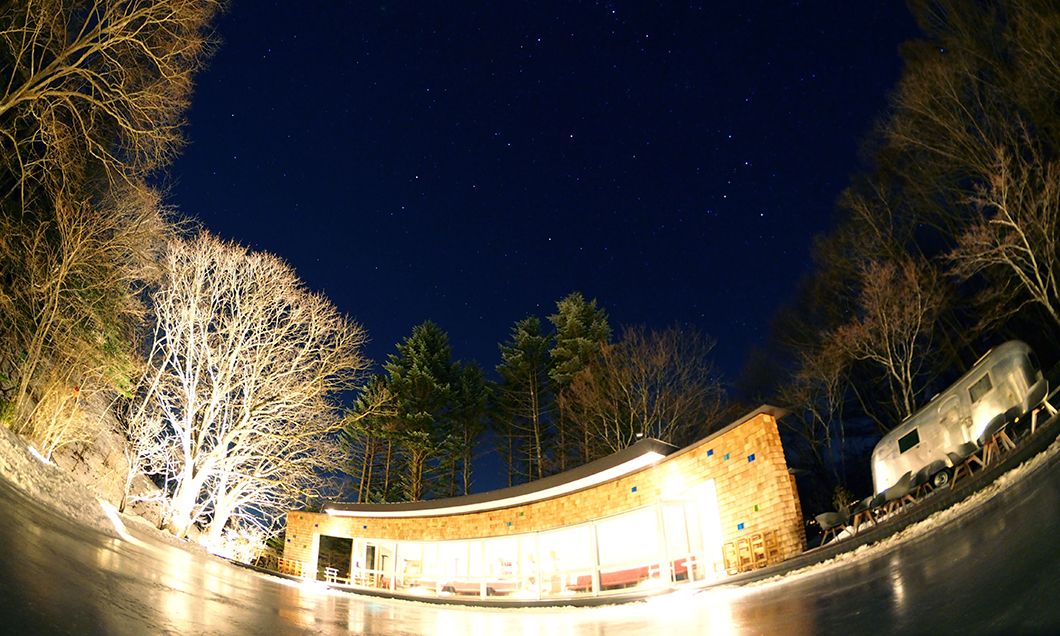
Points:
(861, 513)
(962, 459)
(995, 437)
(876, 506)
(830, 523)
(921, 484)
(930, 478)
(895, 496)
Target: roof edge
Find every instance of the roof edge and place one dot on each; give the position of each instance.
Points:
(638, 449)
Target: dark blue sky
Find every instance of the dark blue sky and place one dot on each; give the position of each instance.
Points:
(472, 163)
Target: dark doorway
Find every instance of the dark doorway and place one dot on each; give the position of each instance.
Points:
(335, 553)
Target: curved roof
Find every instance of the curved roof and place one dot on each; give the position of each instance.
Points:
(643, 453)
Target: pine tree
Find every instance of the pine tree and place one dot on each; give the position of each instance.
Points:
(471, 398)
(421, 377)
(368, 442)
(525, 399)
(581, 331)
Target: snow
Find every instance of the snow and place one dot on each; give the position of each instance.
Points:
(45, 482)
(66, 487)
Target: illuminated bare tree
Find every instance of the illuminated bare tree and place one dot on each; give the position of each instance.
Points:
(95, 82)
(898, 306)
(69, 301)
(91, 102)
(251, 364)
(1016, 234)
(648, 384)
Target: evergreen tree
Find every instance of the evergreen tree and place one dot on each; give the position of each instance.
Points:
(471, 399)
(368, 442)
(421, 379)
(582, 329)
(525, 398)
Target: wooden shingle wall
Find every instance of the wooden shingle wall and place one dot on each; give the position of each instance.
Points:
(755, 491)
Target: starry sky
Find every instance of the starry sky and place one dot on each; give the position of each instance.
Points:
(471, 163)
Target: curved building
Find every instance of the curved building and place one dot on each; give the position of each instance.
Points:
(646, 518)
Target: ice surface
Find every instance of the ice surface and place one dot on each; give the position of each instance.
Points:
(988, 565)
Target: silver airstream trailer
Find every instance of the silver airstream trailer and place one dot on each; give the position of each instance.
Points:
(1006, 382)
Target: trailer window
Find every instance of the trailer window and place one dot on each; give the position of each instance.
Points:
(909, 440)
(980, 388)
(1030, 370)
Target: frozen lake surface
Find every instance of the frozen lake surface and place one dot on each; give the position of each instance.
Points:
(995, 569)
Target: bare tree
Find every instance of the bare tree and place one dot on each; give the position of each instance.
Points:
(898, 305)
(1016, 233)
(815, 395)
(68, 307)
(648, 384)
(91, 103)
(95, 82)
(250, 364)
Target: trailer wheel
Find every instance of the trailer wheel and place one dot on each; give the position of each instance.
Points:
(941, 478)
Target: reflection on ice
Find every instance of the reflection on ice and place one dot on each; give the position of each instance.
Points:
(992, 569)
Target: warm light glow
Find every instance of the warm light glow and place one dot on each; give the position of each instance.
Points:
(675, 486)
(647, 459)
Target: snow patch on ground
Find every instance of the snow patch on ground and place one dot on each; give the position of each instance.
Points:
(67, 486)
(47, 483)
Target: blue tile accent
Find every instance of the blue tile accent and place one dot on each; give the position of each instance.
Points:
(633, 489)
(710, 451)
(751, 457)
(364, 527)
(739, 526)
(726, 457)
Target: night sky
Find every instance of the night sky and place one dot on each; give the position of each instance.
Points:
(473, 163)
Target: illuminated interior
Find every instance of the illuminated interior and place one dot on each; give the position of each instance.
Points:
(647, 518)
(673, 541)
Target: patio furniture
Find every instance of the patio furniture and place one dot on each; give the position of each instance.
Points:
(895, 497)
(861, 513)
(962, 459)
(830, 523)
(995, 438)
(921, 484)
(876, 506)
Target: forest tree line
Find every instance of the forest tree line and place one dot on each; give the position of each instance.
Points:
(566, 393)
